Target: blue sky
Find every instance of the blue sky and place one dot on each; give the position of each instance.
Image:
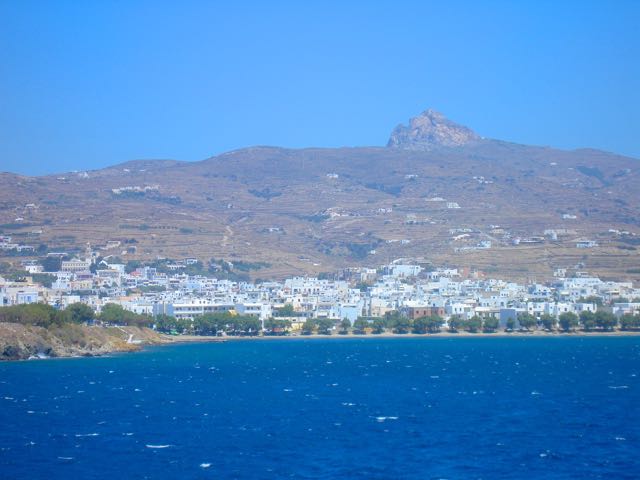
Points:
(88, 84)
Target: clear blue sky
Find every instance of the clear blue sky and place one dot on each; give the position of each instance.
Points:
(88, 84)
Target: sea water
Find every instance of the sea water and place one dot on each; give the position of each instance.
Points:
(441, 408)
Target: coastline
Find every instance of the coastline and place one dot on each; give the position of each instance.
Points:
(29, 342)
(36, 343)
(389, 335)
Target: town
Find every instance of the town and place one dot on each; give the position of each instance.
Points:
(402, 296)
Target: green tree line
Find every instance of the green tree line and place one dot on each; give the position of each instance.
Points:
(43, 315)
(212, 324)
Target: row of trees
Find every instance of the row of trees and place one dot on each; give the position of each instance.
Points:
(474, 324)
(569, 321)
(433, 324)
(43, 315)
(210, 324)
(590, 321)
(114, 314)
(398, 324)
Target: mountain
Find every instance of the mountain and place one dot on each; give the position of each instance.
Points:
(438, 192)
(431, 130)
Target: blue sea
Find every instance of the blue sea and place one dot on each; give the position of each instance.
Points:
(384, 408)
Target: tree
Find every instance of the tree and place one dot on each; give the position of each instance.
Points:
(474, 324)
(401, 324)
(132, 265)
(527, 321)
(51, 264)
(325, 326)
(588, 320)
(490, 324)
(511, 324)
(114, 314)
(390, 318)
(456, 322)
(360, 325)
(208, 324)
(168, 324)
(309, 326)
(277, 326)
(568, 321)
(606, 320)
(345, 325)
(247, 325)
(39, 314)
(44, 279)
(80, 312)
(630, 322)
(229, 323)
(378, 326)
(420, 325)
(286, 311)
(434, 323)
(548, 321)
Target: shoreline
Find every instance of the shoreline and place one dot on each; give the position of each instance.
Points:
(30, 342)
(161, 340)
(388, 335)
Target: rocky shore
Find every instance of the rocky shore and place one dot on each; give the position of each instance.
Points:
(21, 342)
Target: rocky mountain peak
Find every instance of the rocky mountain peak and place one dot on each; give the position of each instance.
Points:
(429, 130)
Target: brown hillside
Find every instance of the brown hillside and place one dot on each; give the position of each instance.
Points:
(313, 210)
